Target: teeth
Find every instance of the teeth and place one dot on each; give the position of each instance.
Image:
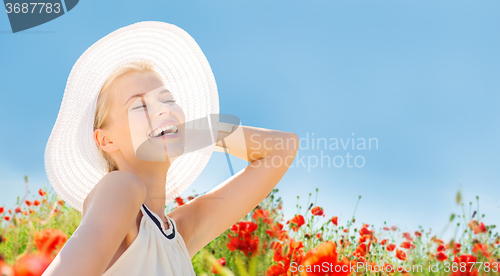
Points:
(167, 129)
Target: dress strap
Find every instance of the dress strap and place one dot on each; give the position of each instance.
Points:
(170, 231)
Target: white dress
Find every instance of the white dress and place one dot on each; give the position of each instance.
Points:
(155, 252)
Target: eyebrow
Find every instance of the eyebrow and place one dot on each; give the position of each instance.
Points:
(164, 91)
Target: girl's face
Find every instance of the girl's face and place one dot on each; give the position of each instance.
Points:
(146, 122)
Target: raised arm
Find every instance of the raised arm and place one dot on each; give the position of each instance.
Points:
(112, 212)
(270, 152)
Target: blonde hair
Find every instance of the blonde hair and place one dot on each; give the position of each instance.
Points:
(102, 112)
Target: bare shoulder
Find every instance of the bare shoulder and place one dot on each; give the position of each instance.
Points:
(110, 212)
(116, 182)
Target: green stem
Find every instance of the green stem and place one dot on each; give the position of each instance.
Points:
(355, 208)
(253, 266)
(478, 216)
(316, 197)
(241, 266)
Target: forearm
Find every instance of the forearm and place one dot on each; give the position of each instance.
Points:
(258, 142)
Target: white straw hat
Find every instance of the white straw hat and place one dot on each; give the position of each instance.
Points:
(72, 159)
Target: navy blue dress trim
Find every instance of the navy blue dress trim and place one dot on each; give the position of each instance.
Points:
(171, 236)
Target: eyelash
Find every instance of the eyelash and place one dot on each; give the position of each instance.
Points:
(143, 106)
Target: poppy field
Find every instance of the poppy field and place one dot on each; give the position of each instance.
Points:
(313, 242)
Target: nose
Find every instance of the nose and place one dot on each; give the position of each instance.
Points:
(164, 108)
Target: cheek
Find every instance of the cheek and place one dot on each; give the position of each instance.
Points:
(179, 114)
(137, 121)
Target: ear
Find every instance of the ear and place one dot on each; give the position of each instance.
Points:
(104, 141)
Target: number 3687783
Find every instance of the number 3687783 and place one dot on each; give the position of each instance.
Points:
(33, 8)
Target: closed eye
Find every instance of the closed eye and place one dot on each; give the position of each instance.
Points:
(143, 106)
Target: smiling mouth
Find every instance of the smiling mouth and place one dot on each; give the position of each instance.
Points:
(164, 131)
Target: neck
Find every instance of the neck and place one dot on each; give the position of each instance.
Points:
(153, 175)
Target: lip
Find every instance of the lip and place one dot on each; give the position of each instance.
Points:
(171, 136)
(166, 123)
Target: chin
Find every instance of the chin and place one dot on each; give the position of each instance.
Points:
(175, 152)
(154, 150)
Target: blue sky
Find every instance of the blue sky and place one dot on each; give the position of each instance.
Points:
(419, 76)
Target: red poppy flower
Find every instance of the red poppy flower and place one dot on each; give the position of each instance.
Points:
(318, 235)
(373, 267)
(317, 211)
(244, 227)
(296, 222)
(456, 248)
(248, 245)
(244, 241)
(32, 264)
(483, 248)
(287, 252)
(477, 227)
(262, 214)
(276, 270)
(36, 202)
(335, 220)
(325, 253)
(394, 228)
(42, 192)
(391, 247)
(383, 242)
(407, 245)
(50, 241)
(28, 202)
(440, 248)
(362, 249)
(471, 269)
(179, 201)
(418, 234)
(366, 231)
(363, 238)
(441, 256)
(275, 230)
(18, 209)
(7, 218)
(438, 241)
(400, 254)
(1, 210)
(190, 198)
(407, 236)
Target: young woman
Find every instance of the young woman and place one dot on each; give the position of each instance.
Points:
(124, 230)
